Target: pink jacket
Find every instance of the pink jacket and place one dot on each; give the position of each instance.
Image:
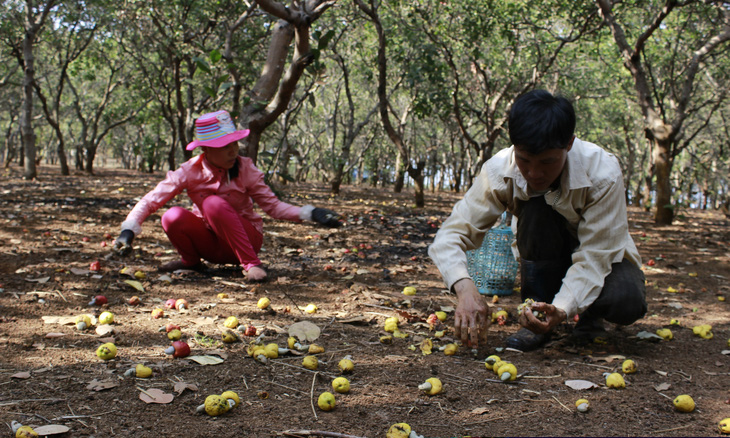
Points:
(201, 180)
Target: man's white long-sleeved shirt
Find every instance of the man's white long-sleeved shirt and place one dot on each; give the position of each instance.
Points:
(590, 197)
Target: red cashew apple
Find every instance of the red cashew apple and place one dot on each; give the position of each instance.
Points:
(178, 349)
(98, 300)
(170, 304)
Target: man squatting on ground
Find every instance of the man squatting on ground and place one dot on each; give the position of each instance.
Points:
(576, 254)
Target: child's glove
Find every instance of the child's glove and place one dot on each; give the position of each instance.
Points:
(123, 244)
(326, 217)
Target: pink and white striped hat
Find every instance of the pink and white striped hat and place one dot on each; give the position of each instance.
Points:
(216, 130)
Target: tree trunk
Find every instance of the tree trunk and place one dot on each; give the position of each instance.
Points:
(400, 174)
(418, 178)
(664, 212)
(26, 115)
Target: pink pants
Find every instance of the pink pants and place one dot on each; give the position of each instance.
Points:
(226, 238)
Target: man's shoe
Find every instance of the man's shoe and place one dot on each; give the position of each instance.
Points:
(589, 329)
(525, 340)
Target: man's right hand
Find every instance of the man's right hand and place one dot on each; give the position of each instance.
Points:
(473, 316)
(123, 244)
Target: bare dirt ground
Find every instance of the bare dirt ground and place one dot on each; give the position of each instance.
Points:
(51, 230)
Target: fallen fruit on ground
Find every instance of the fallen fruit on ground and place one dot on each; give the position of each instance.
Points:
(181, 304)
(628, 367)
(399, 430)
(450, 349)
(346, 365)
(431, 386)
(310, 362)
(229, 337)
(684, 403)
(491, 360)
(391, 324)
(178, 349)
(25, 432)
(231, 322)
(263, 303)
(341, 385)
(174, 335)
(507, 372)
(724, 425)
(441, 316)
(230, 395)
(139, 371)
(98, 300)
(582, 405)
(157, 313)
(134, 301)
(106, 318)
(326, 401)
(615, 380)
(170, 304)
(82, 322)
(106, 351)
(215, 405)
(311, 308)
(665, 333)
(409, 290)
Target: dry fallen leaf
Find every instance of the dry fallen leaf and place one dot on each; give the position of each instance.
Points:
(104, 330)
(77, 271)
(63, 320)
(305, 331)
(38, 280)
(580, 384)
(662, 386)
(480, 411)
(55, 335)
(135, 284)
(21, 375)
(154, 395)
(206, 360)
(100, 385)
(180, 387)
(52, 429)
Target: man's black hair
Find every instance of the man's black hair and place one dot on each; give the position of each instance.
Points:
(539, 121)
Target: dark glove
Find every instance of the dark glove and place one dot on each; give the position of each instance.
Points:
(123, 244)
(326, 217)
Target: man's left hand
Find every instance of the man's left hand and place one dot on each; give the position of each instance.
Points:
(553, 317)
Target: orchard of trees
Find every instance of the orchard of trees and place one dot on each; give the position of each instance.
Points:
(379, 92)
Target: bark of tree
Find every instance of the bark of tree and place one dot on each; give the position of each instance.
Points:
(415, 172)
(32, 25)
(272, 93)
(661, 129)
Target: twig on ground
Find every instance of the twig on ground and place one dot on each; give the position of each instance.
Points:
(514, 382)
(293, 302)
(311, 395)
(500, 418)
(463, 379)
(674, 428)
(299, 367)
(561, 404)
(317, 433)
(542, 377)
(287, 387)
(589, 365)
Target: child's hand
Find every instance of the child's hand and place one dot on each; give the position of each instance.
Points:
(123, 244)
(326, 217)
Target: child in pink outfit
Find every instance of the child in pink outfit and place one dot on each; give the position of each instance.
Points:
(222, 226)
